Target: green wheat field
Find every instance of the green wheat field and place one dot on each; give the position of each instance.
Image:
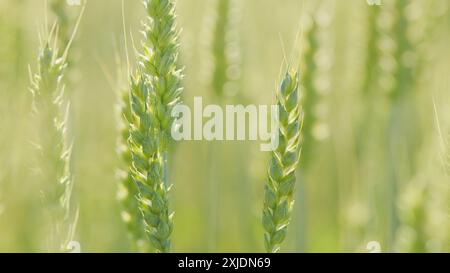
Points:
(87, 162)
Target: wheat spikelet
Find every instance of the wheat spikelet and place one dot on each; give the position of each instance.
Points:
(278, 201)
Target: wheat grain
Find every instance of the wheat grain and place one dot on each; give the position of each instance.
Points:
(278, 200)
(155, 90)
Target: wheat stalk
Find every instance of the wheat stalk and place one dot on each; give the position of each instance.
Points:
(278, 200)
(155, 90)
(51, 112)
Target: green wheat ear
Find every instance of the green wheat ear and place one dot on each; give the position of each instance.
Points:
(147, 170)
(128, 191)
(159, 63)
(155, 89)
(51, 110)
(278, 200)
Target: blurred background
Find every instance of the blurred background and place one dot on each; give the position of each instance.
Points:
(376, 100)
